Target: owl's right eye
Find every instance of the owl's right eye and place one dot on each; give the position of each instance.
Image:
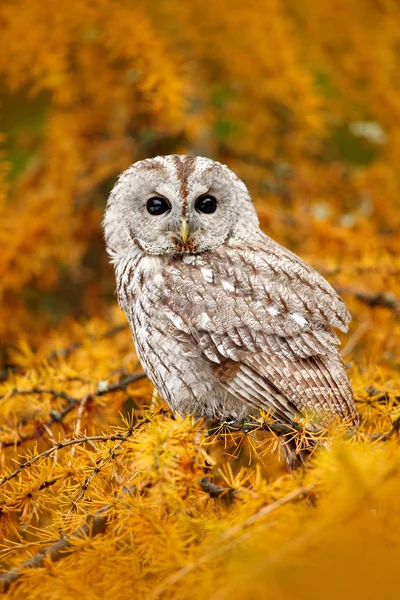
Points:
(157, 205)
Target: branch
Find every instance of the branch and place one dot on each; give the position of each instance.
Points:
(230, 538)
(98, 523)
(394, 431)
(106, 388)
(216, 491)
(72, 442)
(280, 429)
(103, 388)
(43, 486)
(63, 547)
(378, 395)
(101, 463)
(247, 427)
(381, 395)
(384, 299)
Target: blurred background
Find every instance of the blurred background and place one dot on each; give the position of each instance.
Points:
(301, 99)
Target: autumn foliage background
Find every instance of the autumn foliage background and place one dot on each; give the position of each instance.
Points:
(302, 100)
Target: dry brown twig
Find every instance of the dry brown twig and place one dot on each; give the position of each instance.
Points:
(60, 549)
(216, 491)
(395, 430)
(103, 388)
(382, 299)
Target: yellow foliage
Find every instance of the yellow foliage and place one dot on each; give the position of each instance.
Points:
(302, 100)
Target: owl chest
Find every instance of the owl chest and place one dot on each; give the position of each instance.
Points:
(142, 301)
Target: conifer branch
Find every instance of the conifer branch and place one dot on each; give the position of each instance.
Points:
(230, 538)
(100, 464)
(63, 547)
(395, 430)
(249, 426)
(380, 396)
(102, 389)
(98, 523)
(43, 486)
(121, 385)
(71, 442)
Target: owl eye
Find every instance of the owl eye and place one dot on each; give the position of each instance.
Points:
(206, 204)
(157, 205)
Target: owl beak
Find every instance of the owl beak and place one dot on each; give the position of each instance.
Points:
(184, 229)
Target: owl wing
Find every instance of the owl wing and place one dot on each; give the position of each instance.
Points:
(264, 320)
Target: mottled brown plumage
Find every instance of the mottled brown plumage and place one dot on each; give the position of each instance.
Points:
(225, 320)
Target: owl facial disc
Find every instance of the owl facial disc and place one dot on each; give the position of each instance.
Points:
(177, 204)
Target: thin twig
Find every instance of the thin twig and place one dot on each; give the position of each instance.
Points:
(98, 523)
(216, 491)
(63, 547)
(395, 430)
(100, 464)
(65, 444)
(36, 390)
(106, 388)
(103, 388)
(95, 525)
(43, 486)
(355, 338)
(250, 426)
(378, 395)
(384, 299)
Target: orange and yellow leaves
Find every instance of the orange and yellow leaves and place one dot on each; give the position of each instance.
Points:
(302, 100)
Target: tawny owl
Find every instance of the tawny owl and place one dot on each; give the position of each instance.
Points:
(225, 320)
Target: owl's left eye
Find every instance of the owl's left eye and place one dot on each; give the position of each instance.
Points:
(206, 204)
(157, 205)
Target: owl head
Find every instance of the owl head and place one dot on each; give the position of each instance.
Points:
(176, 204)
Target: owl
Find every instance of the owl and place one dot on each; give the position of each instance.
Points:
(225, 321)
